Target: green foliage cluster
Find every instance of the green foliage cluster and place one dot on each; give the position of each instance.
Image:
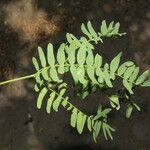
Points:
(90, 73)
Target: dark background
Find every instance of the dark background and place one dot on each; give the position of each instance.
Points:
(25, 24)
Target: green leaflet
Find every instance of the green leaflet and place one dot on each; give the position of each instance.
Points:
(146, 83)
(71, 55)
(42, 57)
(69, 107)
(73, 71)
(100, 75)
(98, 116)
(36, 88)
(98, 127)
(105, 112)
(104, 28)
(129, 110)
(115, 63)
(136, 106)
(69, 39)
(57, 103)
(101, 113)
(121, 70)
(75, 40)
(61, 58)
(107, 127)
(58, 100)
(117, 25)
(61, 54)
(107, 78)
(73, 120)
(41, 96)
(72, 39)
(104, 130)
(142, 78)
(81, 74)
(49, 102)
(99, 110)
(81, 119)
(50, 55)
(35, 63)
(106, 66)
(62, 69)
(90, 57)
(129, 72)
(87, 43)
(85, 31)
(128, 86)
(81, 55)
(62, 85)
(94, 136)
(91, 30)
(53, 73)
(112, 75)
(85, 94)
(114, 101)
(45, 74)
(91, 74)
(96, 130)
(37, 78)
(65, 102)
(98, 61)
(89, 123)
(123, 67)
(134, 75)
(94, 88)
(110, 27)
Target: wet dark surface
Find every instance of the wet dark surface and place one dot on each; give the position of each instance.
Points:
(24, 25)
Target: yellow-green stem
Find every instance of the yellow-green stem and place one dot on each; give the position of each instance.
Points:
(18, 79)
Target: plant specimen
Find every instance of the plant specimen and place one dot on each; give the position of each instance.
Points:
(90, 73)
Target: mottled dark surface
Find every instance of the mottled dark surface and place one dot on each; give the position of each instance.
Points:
(25, 24)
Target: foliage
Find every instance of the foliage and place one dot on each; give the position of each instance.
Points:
(90, 73)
